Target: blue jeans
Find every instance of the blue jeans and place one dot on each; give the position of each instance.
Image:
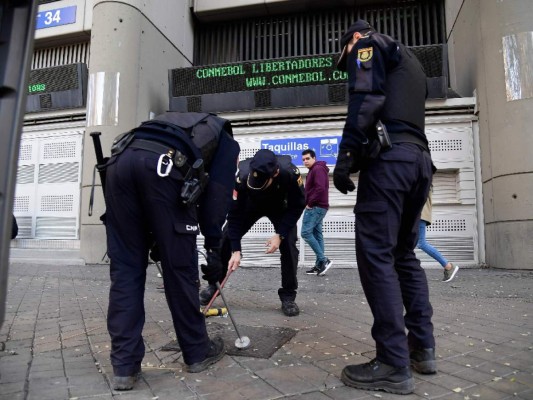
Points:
(312, 231)
(426, 247)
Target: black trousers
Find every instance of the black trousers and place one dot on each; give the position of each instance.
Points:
(288, 250)
(391, 192)
(141, 204)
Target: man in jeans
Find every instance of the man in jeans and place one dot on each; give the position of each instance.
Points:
(316, 207)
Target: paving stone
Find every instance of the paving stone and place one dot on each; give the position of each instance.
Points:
(55, 321)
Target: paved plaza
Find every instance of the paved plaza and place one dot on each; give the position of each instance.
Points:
(57, 345)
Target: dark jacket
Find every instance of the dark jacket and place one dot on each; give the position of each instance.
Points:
(284, 196)
(14, 228)
(385, 82)
(317, 186)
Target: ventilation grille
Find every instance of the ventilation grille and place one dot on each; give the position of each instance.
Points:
(55, 227)
(25, 174)
(337, 93)
(58, 173)
(61, 55)
(414, 23)
(194, 103)
(57, 203)
(21, 205)
(262, 98)
(59, 150)
(25, 152)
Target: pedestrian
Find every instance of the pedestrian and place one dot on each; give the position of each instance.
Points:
(387, 89)
(157, 188)
(14, 228)
(450, 270)
(316, 207)
(271, 186)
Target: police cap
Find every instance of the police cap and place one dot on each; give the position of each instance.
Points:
(263, 166)
(358, 26)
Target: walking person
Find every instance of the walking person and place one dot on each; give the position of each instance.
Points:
(316, 207)
(450, 270)
(387, 83)
(157, 189)
(268, 185)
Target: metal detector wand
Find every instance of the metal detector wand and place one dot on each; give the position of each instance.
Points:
(243, 341)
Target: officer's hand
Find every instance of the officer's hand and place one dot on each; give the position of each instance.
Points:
(341, 173)
(235, 260)
(273, 244)
(214, 271)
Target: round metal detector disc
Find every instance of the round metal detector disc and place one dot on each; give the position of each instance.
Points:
(242, 342)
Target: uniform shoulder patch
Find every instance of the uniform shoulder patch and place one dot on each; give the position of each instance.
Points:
(364, 55)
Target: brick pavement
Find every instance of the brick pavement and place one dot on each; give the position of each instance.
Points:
(57, 346)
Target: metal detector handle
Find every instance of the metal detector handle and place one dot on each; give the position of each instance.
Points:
(219, 286)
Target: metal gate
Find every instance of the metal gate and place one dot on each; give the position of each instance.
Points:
(47, 198)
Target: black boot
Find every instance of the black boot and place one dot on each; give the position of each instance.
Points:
(378, 376)
(216, 352)
(206, 294)
(423, 361)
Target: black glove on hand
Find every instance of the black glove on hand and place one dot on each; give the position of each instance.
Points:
(214, 270)
(341, 173)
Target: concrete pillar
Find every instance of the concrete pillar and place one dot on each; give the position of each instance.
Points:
(133, 45)
(501, 34)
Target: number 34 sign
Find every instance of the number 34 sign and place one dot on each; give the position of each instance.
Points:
(56, 17)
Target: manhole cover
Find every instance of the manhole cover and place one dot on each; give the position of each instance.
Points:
(264, 340)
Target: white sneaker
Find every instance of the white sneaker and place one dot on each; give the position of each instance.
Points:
(324, 266)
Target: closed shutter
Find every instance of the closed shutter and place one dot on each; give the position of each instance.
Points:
(47, 199)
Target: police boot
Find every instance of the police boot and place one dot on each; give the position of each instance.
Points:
(423, 361)
(376, 375)
(206, 294)
(126, 382)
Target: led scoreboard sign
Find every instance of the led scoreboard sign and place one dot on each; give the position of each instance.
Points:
(245, 76)
(297, 81)
(57, 88)
(282, 83)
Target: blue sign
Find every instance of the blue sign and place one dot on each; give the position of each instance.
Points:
(325, 147)
(56, 17)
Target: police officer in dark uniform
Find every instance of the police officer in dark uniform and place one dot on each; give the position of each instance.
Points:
(267, 186)
(151, 192)
(387, 84)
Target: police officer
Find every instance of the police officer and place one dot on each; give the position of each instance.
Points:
(387, 84)
(150, 193)
(267, 186)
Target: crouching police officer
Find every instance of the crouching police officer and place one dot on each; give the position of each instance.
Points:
(267, 186)
(387, 84)
(166, 180)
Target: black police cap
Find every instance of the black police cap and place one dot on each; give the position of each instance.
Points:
(358, 26)
(263, 166)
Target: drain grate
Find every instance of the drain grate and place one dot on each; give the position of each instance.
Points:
(264, 340)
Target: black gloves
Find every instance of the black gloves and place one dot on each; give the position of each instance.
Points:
(341, 173)
(214, 270)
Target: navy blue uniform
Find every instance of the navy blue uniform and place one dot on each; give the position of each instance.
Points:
(282, 203)
(387, 83)
(141, 207)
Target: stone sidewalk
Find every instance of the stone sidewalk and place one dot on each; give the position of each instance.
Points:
(57, 346)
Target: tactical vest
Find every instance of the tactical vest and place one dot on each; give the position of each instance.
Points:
(198, 132)
(406, 87)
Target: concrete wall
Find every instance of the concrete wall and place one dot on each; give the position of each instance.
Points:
(506, 140)
(133, 45)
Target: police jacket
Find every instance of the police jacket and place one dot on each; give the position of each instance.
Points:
(284, 197)
(385, 82)
(220, 151)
